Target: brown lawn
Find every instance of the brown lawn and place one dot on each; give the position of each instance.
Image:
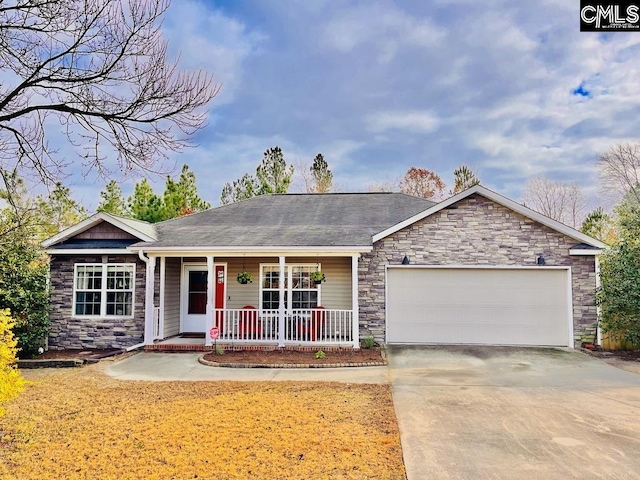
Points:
(81, 424)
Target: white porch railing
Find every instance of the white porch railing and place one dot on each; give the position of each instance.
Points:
(250, 325)
(304, 326)
(324, 326)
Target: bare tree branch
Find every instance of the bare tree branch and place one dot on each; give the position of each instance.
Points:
(560, 201)
(99, 67)
(619, 171)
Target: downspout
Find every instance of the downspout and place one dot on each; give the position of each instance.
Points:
(142, 257)
(134, 347)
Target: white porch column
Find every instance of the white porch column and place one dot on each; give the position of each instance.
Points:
(148, 301)
(355, 308)
(281, 312)
(163, 266)
(211, 299)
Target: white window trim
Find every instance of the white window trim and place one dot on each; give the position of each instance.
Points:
(103, 291)
(289, 273)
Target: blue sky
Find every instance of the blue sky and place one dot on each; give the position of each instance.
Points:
(512, 89)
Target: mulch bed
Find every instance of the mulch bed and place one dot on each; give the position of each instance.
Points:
(295, 357)
(72, 354)
(624, 355)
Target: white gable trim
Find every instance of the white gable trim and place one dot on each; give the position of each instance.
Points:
(92, 221)
(89, 251)
(585, 251)
(505, 202)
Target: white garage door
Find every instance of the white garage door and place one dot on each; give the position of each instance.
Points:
(478, 306)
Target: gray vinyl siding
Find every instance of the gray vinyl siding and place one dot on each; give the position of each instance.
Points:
(172, 297)
(336, 291)
(239, 296)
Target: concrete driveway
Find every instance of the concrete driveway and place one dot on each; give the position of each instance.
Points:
(514, 413)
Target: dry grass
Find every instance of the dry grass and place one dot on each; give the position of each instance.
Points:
(81, 424)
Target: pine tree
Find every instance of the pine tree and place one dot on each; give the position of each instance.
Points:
(241, 189)
(112, 200)
(181, 197)
(273, 174)
(322, 176)
(463, 178)
(145, 205)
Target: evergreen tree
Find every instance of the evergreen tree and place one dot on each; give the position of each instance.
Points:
(322, 176)
(145, 205)
(112, 200)
(241, 189)
(619, 294)
(24, 222)
(463, 178)
(59, 210)
(181, 197)
(599, 224)
(273, 174)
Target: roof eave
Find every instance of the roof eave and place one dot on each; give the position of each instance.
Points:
(253, 250)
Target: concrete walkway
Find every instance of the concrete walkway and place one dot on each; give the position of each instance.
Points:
(185, 367)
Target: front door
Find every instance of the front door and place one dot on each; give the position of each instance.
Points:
(194, 296)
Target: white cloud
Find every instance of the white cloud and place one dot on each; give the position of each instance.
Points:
(382, 85)
(209, 40)
(412, 121)
(387, 27)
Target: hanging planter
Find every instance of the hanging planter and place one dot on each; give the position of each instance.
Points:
(317, 277)
(244, 277)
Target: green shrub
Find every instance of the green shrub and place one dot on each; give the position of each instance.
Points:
(24, 291)
(368, 342)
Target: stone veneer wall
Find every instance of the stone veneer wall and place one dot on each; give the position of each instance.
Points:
(77, 332)
(475, 231)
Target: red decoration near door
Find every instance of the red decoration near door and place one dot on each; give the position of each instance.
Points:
(219, 275)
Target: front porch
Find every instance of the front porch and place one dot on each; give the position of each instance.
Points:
(281, 307)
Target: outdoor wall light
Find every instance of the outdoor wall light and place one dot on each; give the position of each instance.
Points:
(405, 260)
(540, 260)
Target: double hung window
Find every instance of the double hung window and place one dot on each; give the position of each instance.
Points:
(103, 290)
(299, 291)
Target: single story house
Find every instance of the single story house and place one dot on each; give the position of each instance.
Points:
(476, 268)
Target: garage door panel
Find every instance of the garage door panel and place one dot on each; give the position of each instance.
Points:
(494, 306)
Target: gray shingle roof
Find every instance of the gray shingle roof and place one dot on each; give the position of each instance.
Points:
(339, 219)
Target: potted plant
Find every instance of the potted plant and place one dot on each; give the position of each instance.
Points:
(244, 277)
(317, 277)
